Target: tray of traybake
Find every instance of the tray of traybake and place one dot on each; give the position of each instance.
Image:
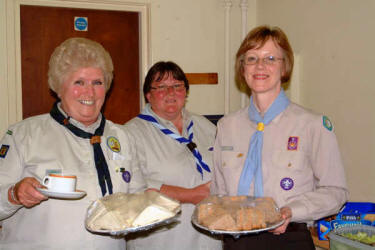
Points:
(236, 215)
(123, 213)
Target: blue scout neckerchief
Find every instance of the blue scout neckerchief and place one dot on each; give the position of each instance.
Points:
(147, 116)
(100, 162)
(253, 163)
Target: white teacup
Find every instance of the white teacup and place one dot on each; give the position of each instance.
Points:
(60, 183)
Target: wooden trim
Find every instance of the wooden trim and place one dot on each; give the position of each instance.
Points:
(202, 78)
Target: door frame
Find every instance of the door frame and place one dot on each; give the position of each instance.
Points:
(12, 74)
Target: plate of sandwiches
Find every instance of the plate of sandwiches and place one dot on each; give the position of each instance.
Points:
(236, 215)
(122, 213)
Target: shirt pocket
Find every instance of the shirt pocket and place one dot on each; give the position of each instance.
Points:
(231, 164)
(39, 170)
(293, 165)
(232, 159)
(121, 174)
(292, 161)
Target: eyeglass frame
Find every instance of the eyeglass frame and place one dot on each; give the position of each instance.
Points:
(265, 60)
(165, 88)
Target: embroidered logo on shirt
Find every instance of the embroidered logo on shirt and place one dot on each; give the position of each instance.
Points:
(9, 132)
(327, 123)
(293, 143)
(286, 183)
(113, 144)
(126, 176)
(4, 150)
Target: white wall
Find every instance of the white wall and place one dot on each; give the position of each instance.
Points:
(335, 41)
(191, 33)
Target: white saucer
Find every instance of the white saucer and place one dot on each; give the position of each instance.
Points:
(65, 195)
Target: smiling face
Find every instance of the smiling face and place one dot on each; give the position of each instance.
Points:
(262, 78)
(167, 103)
(82, 94)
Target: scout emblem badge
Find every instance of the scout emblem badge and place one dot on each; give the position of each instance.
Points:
(124, 174)
(113, 144)
(286, 183)
(327, 123)
(293, 143)
(4, 150)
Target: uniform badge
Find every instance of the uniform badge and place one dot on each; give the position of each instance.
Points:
(10, 132)
(126, 176)
(114, 144)
(286, 183)
(4, 150)
(293, 143)
(327, 123)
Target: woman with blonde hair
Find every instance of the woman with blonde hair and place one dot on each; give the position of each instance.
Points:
(74, 138)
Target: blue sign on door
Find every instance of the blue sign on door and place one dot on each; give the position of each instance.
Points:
(80, 23)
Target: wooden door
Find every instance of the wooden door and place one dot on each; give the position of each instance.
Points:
(44, 28)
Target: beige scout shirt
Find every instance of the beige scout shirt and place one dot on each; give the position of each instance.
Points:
(39, 144)
(301, 162)
(165, 161)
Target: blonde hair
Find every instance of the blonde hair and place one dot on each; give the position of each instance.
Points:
(75, 53)
(256, 38)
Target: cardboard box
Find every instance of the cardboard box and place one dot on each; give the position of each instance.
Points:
(352, 213)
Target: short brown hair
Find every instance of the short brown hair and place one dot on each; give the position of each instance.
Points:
(256, 38)
(159, 70)
(75, 53)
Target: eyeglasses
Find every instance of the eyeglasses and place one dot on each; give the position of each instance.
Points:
(164, 88)
(268, 60)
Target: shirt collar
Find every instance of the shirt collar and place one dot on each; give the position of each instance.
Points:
(90, 129)
(186, 118)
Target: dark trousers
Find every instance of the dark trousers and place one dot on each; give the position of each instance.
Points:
(296, 237)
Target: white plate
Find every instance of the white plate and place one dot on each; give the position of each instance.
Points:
(235, 233)
(65, 195)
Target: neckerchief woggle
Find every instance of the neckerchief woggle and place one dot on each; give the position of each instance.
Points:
(253, 164)
(147, 116)
(100, 162)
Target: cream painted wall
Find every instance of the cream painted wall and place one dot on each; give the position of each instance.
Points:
(191, 33)
(335, 41)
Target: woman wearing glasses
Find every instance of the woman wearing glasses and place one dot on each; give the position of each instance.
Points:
(277, 148)
(174, 150)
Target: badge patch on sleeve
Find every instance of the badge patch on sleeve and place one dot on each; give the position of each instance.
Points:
(4, 150)
(327, 123)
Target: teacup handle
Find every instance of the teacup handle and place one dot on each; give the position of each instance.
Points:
(46, 181)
